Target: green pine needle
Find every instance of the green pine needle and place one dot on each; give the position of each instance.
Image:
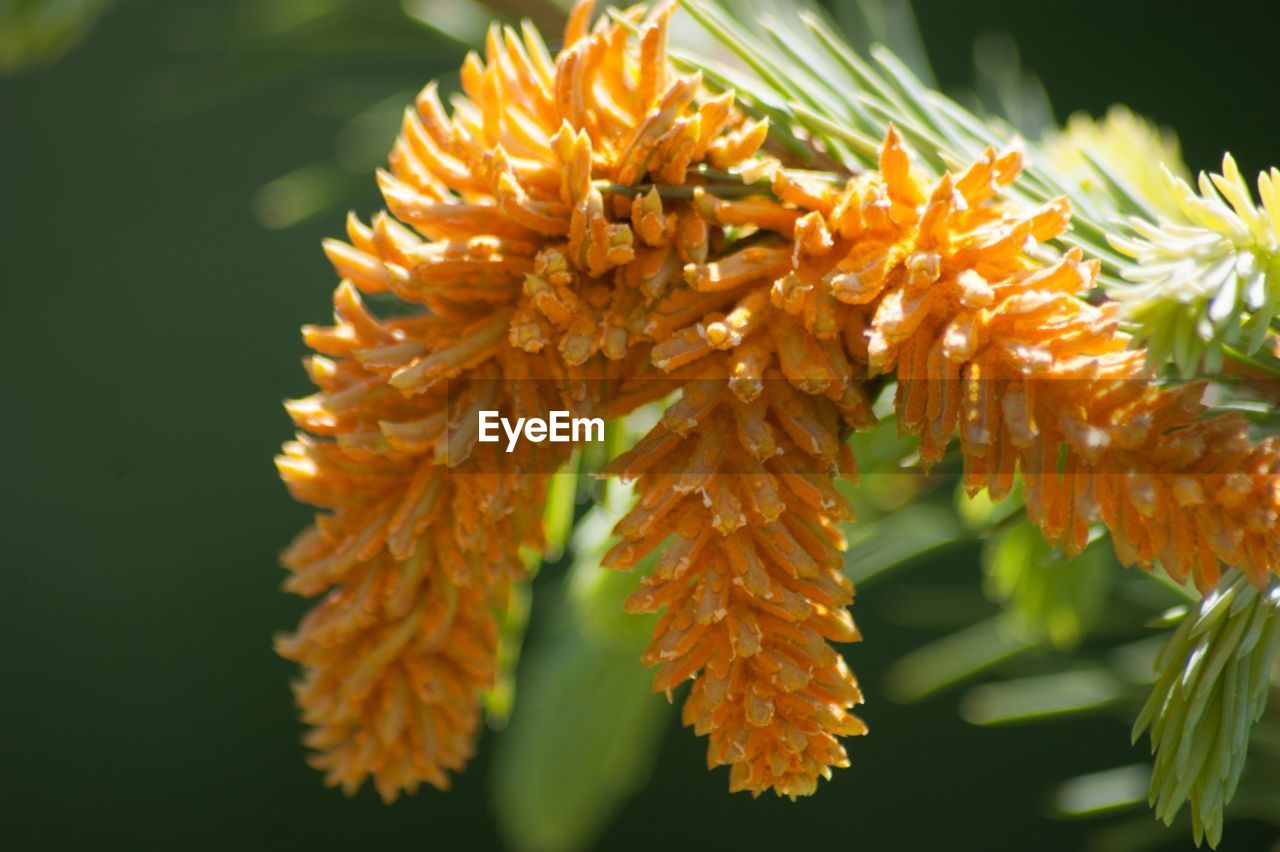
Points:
(1213, 679)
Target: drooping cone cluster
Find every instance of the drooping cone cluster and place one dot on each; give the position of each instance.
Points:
(986, 342)
(529, 276)
(574, 234)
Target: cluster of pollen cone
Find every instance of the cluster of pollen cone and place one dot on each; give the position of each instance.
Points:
(559, 239)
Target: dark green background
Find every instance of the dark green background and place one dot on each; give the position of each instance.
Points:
(149, 334)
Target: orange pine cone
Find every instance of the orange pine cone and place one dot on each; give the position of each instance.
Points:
(751, 587)
(416, 557)
(530, 278)
(987, 341)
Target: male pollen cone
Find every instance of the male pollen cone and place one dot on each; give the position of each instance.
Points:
(560, 238)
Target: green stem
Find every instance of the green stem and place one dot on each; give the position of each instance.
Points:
(722, 176)
(1267, 365)
(740, 190)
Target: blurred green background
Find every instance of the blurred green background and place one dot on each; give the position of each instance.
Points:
(167, 171)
